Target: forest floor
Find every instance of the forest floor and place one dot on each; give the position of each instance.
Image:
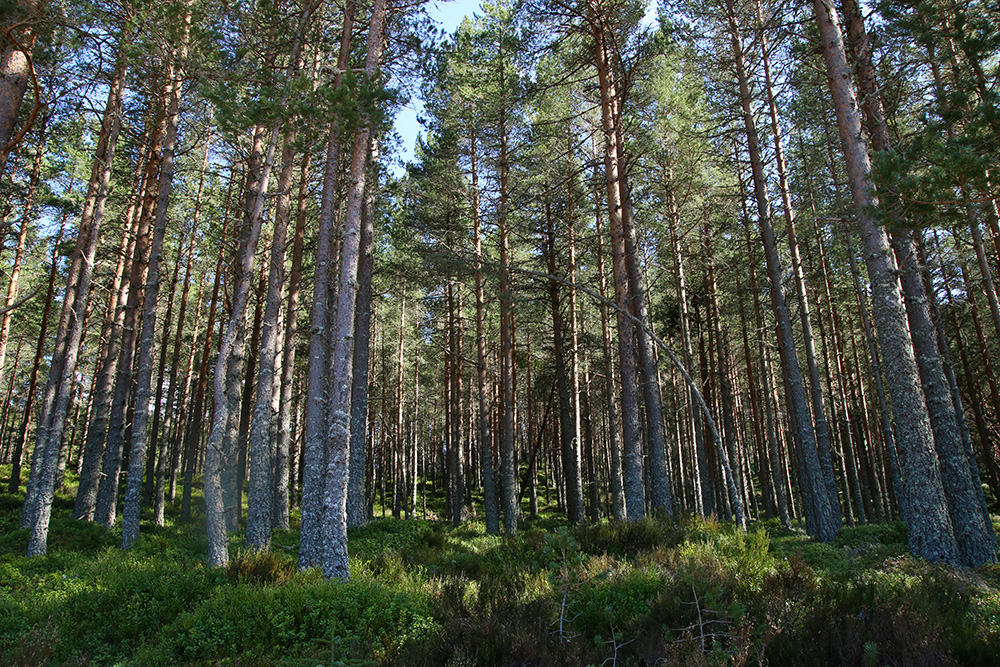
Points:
(424, 592)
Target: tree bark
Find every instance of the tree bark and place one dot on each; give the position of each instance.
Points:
(926, 507)
(132, 504)
(357, 504)
(334, 558)
(58, 390)
(316, 436)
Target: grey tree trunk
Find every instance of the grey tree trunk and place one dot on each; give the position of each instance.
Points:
(973, 532)
(216, 458)
(661, 497)
(508, 472)
(280, 518)
(334, 557)
(159, 494)
(132, 504)
(926, 513)
(357, 504)
(822, 517)
(262, 432)
(801, 293)
(58, 390)
(316, 430)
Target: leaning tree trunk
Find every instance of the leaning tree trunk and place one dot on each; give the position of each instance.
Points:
(822, 516)
(923, 497)
(58, 390)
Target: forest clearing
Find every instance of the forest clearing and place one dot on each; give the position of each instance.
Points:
(571, 332)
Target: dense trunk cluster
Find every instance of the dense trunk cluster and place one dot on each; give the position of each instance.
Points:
(620, 278)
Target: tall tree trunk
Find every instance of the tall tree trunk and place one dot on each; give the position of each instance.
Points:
(490, 507)
(262, 431)
(704, 503)
(568, 426)
(660, 497)
(357, 505)
(614, 444)
(282, 475)
(132, 503)
(923, 497)
(334, 558)
(159, 493)
(62, 368)
(798, 279)
(217, 459)
(822, 515)
(508, 469)
(316, 435)
(635, 503)
(194, 427)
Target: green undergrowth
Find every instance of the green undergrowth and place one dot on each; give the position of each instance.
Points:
(655, 592)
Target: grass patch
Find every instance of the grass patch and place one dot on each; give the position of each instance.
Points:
(660, 592)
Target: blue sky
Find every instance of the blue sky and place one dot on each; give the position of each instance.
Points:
(449, 15)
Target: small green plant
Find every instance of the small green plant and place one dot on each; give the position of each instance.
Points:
(337, 646)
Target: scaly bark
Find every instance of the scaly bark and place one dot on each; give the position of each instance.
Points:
(926, 507)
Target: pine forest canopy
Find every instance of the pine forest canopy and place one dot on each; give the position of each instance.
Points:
(740, 262)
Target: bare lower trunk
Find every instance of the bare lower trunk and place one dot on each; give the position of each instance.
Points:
(334, 557)
(926, 508)
(316, 430)
(58, 390)
(357, 505)
(132, 503)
